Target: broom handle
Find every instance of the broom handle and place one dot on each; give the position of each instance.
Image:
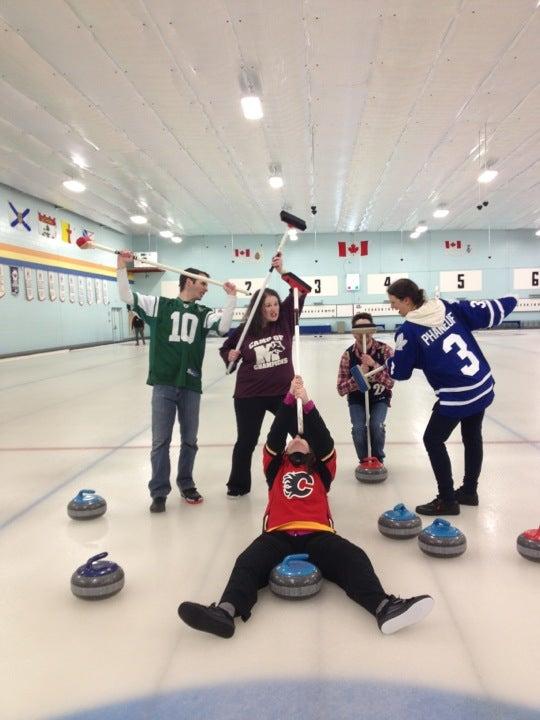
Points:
(366, 404)
(161, 266)
(257, 301)
(299, 408)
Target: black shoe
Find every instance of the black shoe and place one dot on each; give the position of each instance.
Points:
(466, 498)
(396, 613)
(439, 507)
(235, 494)
(211, 619)
(192, 496)
(158, 504)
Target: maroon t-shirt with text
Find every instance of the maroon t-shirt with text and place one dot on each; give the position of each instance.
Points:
(267, 368)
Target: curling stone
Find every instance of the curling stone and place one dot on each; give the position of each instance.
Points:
(294, 578)
(86, 505)
(528, 545)
(97, 579)
(441, 539)
(400, 523)
(371, 470)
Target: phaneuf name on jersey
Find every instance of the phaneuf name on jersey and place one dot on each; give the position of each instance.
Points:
(436, 332)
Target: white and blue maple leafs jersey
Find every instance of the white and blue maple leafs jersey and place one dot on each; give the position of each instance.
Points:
(449, 355)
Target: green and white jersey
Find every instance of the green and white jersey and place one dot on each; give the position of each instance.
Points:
(178, 332)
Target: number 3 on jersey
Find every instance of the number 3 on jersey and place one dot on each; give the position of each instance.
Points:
(188, 329)
(462, 351)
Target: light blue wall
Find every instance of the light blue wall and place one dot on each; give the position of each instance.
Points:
(36, 325)
(496, 254)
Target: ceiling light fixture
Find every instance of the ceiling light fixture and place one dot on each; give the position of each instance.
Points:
(537, 233)
(275, 180)
(414, 235)
(166, 233)
(138, 219)
(142, 203)
(421, 227)
(487, 176)
(252, 107)
(176, 239)
(74, 186)
(441, 212)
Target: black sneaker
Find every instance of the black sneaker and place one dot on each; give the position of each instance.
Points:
(466, 498)
(192, 496)
(396, 613)
(211, 619)
(158, 504)
(439, 507)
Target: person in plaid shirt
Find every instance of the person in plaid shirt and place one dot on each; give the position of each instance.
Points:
(380, 390)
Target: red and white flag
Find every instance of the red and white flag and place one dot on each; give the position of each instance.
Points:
(242, 254)
(453, 245)
(353, 249)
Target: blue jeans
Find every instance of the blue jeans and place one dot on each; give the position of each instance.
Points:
(167, 400)
(377, 417)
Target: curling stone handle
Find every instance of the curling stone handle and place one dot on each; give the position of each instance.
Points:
(291, 558)
(441, 522)
(82, 494)
(96, 558)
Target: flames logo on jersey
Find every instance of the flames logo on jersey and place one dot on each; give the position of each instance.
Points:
(297, 484)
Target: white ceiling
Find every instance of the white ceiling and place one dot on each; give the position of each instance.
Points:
(372, 108)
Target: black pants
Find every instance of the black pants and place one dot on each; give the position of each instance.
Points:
(250, 414)
(339, 560)
(437, 433)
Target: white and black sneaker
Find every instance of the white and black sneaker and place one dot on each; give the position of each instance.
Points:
(395, 613)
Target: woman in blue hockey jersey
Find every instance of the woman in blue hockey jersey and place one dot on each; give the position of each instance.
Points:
(437, 338)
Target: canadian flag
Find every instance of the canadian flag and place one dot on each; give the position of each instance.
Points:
(242, 253)
(352, 249)
(452, 245)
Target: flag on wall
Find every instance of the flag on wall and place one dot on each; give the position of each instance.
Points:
(47, 226)
(352, 249)
(66, 231)
(20, 216)
(453, 245)
(244, 254)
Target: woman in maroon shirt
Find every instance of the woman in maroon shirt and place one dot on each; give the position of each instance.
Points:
(263, 377)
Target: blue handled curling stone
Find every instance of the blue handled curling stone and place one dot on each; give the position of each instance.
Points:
(528, 545)
(97, 579)
(400, 523)
(86, 505)
(441, 539)
(294, 578)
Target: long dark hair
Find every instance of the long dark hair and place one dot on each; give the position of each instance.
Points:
(405, 288)
(257, 324)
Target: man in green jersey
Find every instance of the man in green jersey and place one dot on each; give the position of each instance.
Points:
(178, 331)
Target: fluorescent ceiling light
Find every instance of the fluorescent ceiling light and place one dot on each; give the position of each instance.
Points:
(276, 181)
(79, 161)
(252, 107)
(293, 234)
(487, 176)
(176, 239)
(166, 233)
(170, 220)
(537, 233)
(421, 228)
(414, 235)
(74, 186)
(143, 203)
(138, 219)
(441, 212)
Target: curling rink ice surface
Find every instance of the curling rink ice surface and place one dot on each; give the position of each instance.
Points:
(81, 419)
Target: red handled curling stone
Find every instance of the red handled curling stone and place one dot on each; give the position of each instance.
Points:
(97, 579)
(295, 579)
(86, 505)
(528, 545)
(371, 471)
(400, 523)
(441, 539)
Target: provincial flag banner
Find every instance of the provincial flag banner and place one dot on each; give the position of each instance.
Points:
(89, 291)
(66, 231)
(105, 292)
(88, 234)
(71, 288)
(453, 245)
(47, 226)
(82, 289)
(2, 284)
(14, 279)
(52, 286)
(345, 249)
(20, 218)
(62, 287)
